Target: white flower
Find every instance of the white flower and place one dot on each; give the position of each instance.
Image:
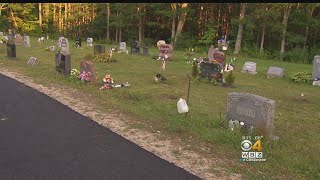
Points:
(241, 123)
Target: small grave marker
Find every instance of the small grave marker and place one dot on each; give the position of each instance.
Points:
(32, 61)
(275, 72)
(249, 67)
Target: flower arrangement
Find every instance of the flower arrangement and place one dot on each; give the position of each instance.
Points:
(235, 124)
(85, 76)
(75, 73)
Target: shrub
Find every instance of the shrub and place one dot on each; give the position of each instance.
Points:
(195, 69)
(230, 79)
(302, 77)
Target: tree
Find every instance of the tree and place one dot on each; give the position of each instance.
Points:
(181, 21)
(286, 14)
(240, 30)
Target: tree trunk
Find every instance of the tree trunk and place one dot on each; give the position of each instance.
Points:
(65, 16)
(173, 26)
(182, 19)
(47, 9)
(40, 14)
(108, 22)
(240, 30)
(262, 37)
(284, 31)
(54, 14)
(120, 35)
(13, 18)
(60, 17)
(307, 31)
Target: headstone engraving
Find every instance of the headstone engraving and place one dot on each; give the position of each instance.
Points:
(122, 47)
(26, 41)
(253, 110)
(88, 66)
(316, 68)
(64, 45)
(275, 72)
(249, 67)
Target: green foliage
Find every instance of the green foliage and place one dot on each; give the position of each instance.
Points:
(302, 77)
(104, 57)
(230, 78)
(209, 37)
(195, 69)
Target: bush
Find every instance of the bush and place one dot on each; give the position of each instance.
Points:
(195, 69)
(230, 79)
(302, 77)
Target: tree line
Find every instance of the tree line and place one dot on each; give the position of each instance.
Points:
(282, 31)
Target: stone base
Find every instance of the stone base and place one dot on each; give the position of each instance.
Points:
(316, 83)
(249, 72)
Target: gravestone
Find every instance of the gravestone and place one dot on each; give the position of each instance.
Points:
(99, 49)
(88, 66)
(32, 60)
(253, 110)
(122, 47)
(78, 42)
(210, 71)
(89, 42)
(249, 67)
(26, 41)
(165, 50)
(275, 72)
(135, 47)
(146, 51)
(63, 63)
(64, 45)
(316, 68)
(19, 39)
(11, 50)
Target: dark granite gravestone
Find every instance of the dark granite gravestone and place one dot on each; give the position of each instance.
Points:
(63, 63)
(135, 47)
(253, 110)
(146, 51)
(88, 66)
(316, 68)
(11, 50)
(275, 72)
(78, 42)
(99, 49)
(211, 71)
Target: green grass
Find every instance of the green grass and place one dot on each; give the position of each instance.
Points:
(297, 122)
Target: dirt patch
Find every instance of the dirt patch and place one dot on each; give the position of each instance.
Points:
(157, 143)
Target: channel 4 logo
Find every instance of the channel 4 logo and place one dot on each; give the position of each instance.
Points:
(251, 152)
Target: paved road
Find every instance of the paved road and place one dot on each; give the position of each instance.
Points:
(43, 139)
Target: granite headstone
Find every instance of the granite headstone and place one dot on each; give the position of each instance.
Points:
(275, 72)
(249, 67)
(316, 67)
(253, 110)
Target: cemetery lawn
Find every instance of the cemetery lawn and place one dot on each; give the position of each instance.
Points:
(297, 119)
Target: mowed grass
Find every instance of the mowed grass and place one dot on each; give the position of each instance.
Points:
(297, 119)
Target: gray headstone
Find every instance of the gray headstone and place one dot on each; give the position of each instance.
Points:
(64, 45)
(122, 47)
(26, 41)
(253, 110)
(316, 67)
(275, 72)
(249, 67)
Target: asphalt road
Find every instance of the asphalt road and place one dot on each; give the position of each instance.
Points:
(41, 138)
